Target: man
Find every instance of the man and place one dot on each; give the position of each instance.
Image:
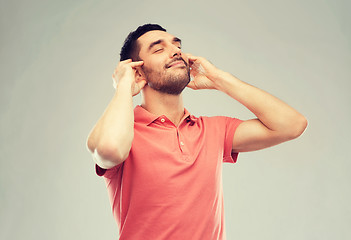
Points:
(162, 165)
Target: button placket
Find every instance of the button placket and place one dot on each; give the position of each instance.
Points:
(180, 141)
(185, 154)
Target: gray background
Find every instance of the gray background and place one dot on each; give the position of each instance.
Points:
(57, 59)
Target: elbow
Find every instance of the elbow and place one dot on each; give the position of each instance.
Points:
(90, 144)
(297, 127)
(108, 153)
(108, 156)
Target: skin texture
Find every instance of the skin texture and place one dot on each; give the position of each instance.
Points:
(161, 76)
(165, 68)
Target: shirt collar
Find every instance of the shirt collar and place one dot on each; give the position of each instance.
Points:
(141, 115)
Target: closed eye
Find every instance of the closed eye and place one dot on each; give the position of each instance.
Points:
(178, 45)
(158, 50)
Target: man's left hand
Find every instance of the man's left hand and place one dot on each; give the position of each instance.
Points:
(204, 74)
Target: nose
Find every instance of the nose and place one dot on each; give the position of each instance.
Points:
(176, 51)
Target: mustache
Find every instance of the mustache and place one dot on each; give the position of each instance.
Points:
(174, 60)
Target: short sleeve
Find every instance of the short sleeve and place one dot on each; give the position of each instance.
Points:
(107, 173)
(231, 126)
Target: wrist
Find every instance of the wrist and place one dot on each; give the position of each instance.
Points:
(124, 86)
(224, 80)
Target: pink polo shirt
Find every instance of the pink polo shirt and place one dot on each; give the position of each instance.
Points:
(170, 186)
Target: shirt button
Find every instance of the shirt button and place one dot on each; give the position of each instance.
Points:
(163, 120)
(181, 143)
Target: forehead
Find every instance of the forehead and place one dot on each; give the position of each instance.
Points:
(146, 39)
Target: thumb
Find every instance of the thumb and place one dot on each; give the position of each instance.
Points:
(192, 85)
(141, 83)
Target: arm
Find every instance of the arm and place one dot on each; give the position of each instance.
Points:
(111, 138)
(276, 121)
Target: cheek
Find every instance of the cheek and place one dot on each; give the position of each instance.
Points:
(154, 64)
(185, 58)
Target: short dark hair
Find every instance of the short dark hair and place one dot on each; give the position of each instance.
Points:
(130, 49)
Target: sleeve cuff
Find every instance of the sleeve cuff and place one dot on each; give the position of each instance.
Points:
(100, 171)
(230, 156)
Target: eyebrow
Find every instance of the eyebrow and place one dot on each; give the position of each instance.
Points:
(175, 40)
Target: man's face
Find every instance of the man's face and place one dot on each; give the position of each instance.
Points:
(165, 67)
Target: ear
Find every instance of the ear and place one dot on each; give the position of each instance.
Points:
(139, 75)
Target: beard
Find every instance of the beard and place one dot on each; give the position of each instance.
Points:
(168, 80)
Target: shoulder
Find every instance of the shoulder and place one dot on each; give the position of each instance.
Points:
(220, 120)
(218, 123)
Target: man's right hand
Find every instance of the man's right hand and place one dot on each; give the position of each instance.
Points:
(127, 72)
(111, 138)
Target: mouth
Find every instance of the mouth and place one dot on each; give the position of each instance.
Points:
(177, 63)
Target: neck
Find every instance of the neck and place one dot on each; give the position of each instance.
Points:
(159, 103)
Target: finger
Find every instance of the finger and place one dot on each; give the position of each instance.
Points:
(124, 62)
(141, 84)
(191, 57)
(197, 68)
(194, 61)
(200, 61)
(193, 72)
(136, 64)
(191, 85)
